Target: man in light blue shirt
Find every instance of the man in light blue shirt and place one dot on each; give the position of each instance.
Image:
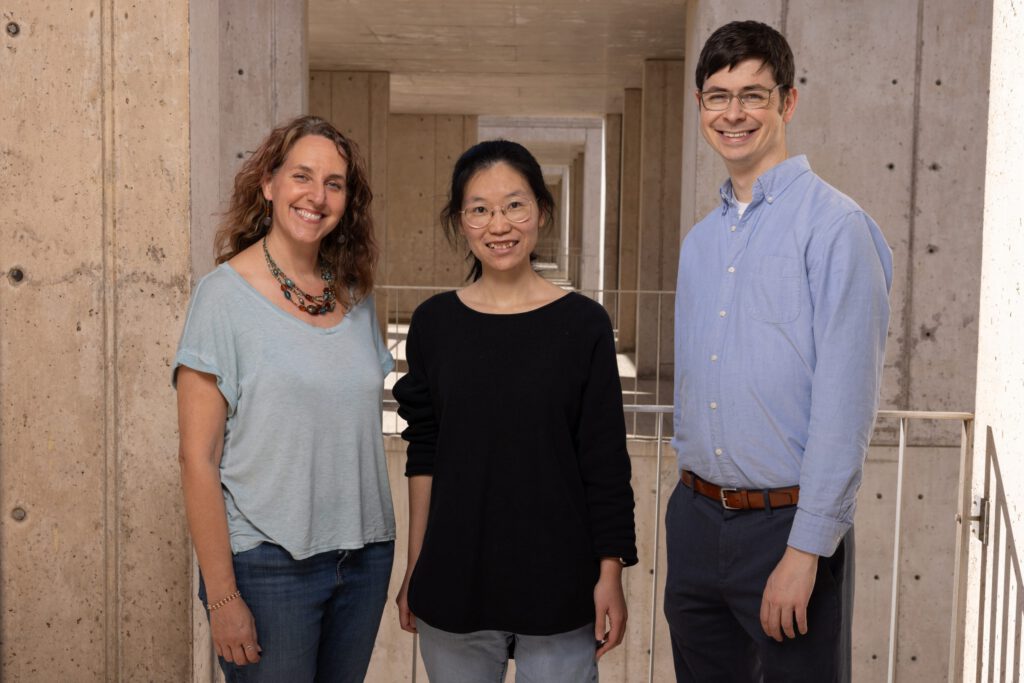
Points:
(781, 317)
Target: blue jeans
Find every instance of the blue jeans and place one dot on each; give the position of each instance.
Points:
(482, 656)
(317, 618)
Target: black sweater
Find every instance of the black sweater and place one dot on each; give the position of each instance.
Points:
(519, 419)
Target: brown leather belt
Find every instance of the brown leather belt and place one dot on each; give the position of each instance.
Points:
(742, 499)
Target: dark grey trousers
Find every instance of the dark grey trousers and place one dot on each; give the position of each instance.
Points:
(718, 563)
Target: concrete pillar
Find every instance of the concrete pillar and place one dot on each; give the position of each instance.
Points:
(629, 216)
(563, 201)
(95, 556)
(549, 244)
(992, 618)
(592, 247)
(95, 560)
(358, 103)
(613, 167)
(576, 222)
(660, 182)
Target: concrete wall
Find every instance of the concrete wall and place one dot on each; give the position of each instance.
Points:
(117, 132)
(93, 552)
(422, 150)
(995, 611)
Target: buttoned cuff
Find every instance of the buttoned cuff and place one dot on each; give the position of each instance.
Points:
(815, 534)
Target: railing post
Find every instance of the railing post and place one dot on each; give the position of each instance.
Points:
(961, 553)
(660, 417)
(894, 604)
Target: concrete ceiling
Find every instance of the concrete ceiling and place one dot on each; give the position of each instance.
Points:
(500, 58)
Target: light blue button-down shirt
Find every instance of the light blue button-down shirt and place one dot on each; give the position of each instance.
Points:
(780, 327)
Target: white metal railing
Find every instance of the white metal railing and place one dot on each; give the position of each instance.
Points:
(961, 521)
(660, 412)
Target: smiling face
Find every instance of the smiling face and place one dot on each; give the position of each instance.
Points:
(501, 245)
(750, 141)
(308, 190)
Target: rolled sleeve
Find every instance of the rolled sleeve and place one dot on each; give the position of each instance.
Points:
(208, 345)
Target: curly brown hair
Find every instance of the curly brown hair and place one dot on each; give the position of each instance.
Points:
(349, 251)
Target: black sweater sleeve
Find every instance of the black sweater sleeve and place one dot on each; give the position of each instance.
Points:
(603, 458)
(416, 407)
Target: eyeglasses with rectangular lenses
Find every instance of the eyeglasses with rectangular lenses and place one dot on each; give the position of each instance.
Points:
(478, 216)
(754, 98)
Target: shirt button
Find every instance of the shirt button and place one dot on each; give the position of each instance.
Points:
(718, 451)
(713, 405)
(732, 228)
(732, 269)
(721, 314)
(714, 357)
(769, 199)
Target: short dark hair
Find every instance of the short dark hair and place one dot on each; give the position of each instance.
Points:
(479, 157)
(739, 41)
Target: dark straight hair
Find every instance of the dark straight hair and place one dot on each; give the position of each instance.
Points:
(477, 158)
(742, 40)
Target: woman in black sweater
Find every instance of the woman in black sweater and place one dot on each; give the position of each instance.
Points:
(520, 506)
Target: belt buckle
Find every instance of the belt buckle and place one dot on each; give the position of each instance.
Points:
(722, 493)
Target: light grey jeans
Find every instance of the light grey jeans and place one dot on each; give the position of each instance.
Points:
(482, 656)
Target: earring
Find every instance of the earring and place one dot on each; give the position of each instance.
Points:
(266, 219)
(342, 237)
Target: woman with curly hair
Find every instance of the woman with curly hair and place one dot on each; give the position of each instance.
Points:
(279, 375)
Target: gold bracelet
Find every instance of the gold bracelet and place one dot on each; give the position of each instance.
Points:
(223, 601)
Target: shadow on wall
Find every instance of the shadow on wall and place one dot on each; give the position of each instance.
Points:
(1000, 598)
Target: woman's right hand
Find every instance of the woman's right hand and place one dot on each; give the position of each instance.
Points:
(406, 619)
(234, 633)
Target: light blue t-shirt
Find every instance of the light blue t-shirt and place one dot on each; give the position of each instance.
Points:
(303, 463)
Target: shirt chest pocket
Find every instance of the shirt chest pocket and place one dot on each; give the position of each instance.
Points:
(773, 293)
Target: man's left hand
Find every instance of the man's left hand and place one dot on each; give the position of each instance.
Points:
(787, 593)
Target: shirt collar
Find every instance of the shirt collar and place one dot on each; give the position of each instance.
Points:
(769, 184)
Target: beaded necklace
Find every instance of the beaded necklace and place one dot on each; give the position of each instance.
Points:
(310, 303)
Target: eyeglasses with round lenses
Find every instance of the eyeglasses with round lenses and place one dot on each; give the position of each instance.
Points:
(479, 216)
(719, 100)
